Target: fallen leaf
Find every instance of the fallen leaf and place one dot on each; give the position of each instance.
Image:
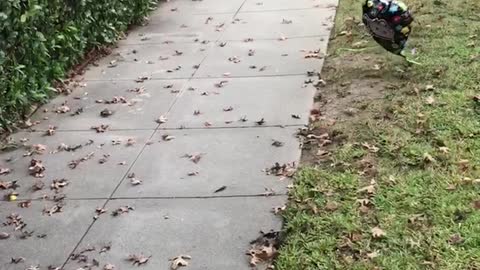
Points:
(476, 204)
(264, 248)
(295, 116)
(138, 259)
(58, 184)
(279, 209)
(287, 169)
(430, 100)
(109, 266)
(62, 109)
(51, 130)
(260, 122)
(167, 137)
(220, 189)
(122, 210)
(130, 142)
(162, 119)
(36, 168)
(17, 260)
(277, 143)
(193, 173)
(4, 171)
(195, 158)
(377, 232)
(8, 185)
(179, 261)
(38, 185)
(56, 208)
(372, 255)
(105, 248)
(101, 128)
(25, 204)
(135, 182)
(106, 113)
(4, 235)
(456, 239)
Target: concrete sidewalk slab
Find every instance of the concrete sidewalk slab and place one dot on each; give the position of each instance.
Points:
(275, 99)
(277, 24)
(271, 58)
(225, 161)
(270, 5)
(146, 101)
(53, 237)
(214, 232)
(89, 179)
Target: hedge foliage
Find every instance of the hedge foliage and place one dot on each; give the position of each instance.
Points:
(40, 40)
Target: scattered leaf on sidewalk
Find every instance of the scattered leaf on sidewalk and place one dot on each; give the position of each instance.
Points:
(287, 169)
(167, 137)
(101, 128)
(109, 266)
(8, 185)
(179, 261)
(74, 163)
(264, 249)
(277, 143)
(4, 171)
(260, 122)
(36, 168)
(56, 208)
(58, 184)
(193, 173)
(99, 211)
(50, 131)
(122, 210)
(106, 113)
(38, 185)
(138, 259)
(62, 109)
(195, 158)
(17, 260)
(220, 189)
(279, 209)
(105, 248)
(4, 235)
(25, 204)
(161, 120)
(296, 116)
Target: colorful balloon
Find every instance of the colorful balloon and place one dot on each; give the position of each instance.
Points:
(389, 23)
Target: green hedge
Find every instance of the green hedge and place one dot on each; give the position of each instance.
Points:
(40, 40)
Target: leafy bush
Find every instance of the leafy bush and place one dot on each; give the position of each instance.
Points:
(41, 39)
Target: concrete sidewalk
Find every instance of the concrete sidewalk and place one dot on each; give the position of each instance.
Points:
(183, 98)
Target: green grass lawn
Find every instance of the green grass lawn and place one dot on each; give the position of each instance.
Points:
(401, 189)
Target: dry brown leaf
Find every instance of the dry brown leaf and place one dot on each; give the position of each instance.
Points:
(62, 109)
(138, 259)
(179, 261)
(286, 170)
(25, 204)
(476, 204)
(378, 233)
(109, 266)
(56, 208)
(122, 210)
(4, 235)
(101, 128)
(50, 131)
(4, 171)
(8, 185)
(430, 100)
(36, 168)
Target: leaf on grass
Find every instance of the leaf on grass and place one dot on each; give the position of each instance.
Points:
(378, 233)
(430, 100)
(456, 239)
(138, 259)
(122, 210)
(476, 204)
(179, 261)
